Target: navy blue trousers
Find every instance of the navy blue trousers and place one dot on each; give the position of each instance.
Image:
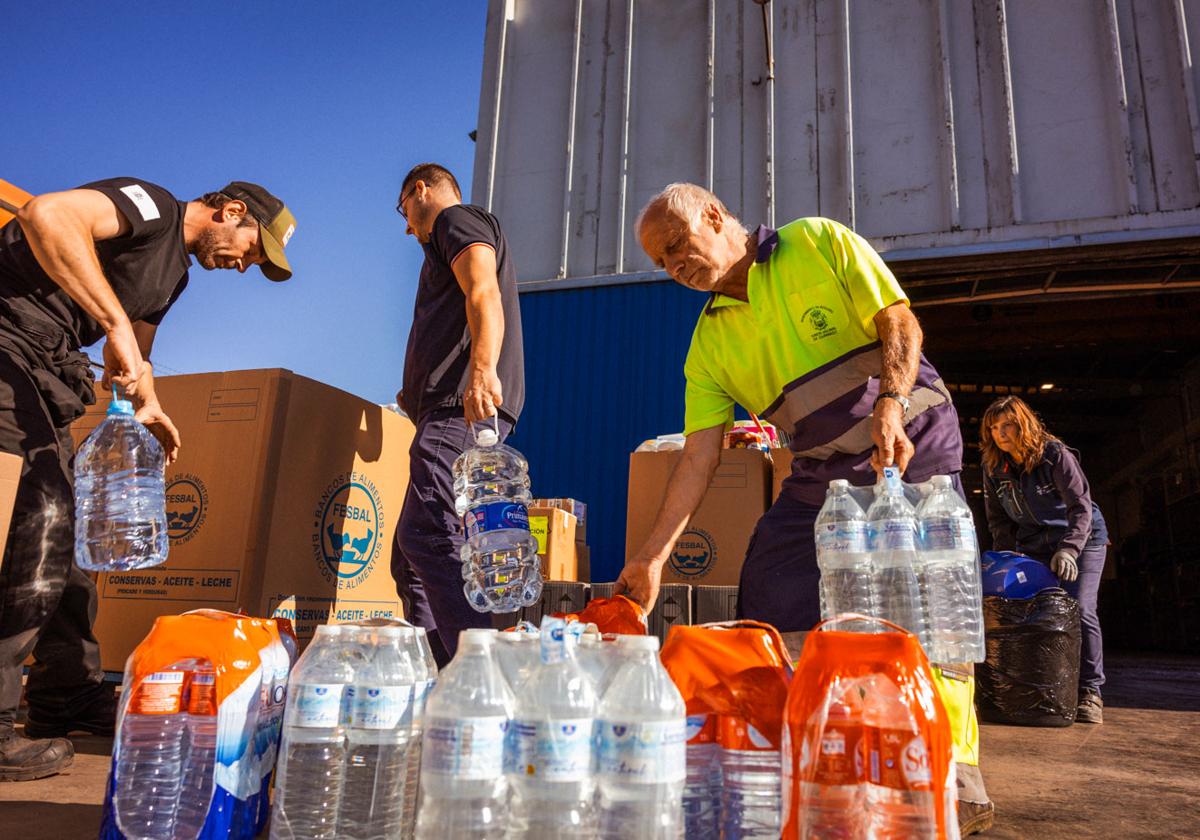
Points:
(427, 562)
(780, 578)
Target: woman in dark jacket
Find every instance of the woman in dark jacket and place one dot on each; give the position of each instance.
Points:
(1038, 503)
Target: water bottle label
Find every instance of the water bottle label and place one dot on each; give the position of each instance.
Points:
(899, 759)
(649, 753)
(160, 693)
(842, 537)
(557, 751)
(840, 760)
(202, 695)
(949, 533)
(465, 748)
(736, 734)
(420, 695)
(318, 706)
(701, 729)
(496, 516)
(379, 706)
(896, 535)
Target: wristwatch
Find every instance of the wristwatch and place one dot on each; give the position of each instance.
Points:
(892, 395)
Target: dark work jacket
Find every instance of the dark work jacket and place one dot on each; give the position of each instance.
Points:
(1045, 509)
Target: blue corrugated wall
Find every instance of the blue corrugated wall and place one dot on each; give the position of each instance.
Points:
(604, 371)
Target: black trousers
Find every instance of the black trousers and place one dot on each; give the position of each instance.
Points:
(47, 604)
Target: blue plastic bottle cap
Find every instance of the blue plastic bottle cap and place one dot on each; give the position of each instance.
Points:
(122, 407)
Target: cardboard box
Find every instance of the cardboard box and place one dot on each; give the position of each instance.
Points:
(557, 597)
(572, 506)
(10, 477)
(674, 607)
(712, 548)
(601, 590)
(12, 199)
(714, 603)
(283, 501)
(781, 468)
(554, 529)
(583, 561)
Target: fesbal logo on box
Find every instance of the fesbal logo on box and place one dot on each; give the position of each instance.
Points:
(348, 521)
(187, 507)
(694, 554)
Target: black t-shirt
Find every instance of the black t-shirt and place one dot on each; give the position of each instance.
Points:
(437, 363)
(146, 267)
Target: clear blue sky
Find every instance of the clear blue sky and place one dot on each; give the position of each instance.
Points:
(325, 104)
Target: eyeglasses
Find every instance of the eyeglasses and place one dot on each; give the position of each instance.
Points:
(400, 203)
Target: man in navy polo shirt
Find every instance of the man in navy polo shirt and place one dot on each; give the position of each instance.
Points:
(464, 364)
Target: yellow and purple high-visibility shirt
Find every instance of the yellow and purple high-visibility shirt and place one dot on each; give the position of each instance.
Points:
(804, 354)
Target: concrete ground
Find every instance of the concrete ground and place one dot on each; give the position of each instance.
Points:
(1138, 775)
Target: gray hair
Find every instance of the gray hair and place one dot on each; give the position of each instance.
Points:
(685, 201)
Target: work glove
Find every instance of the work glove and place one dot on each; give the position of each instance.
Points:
(1063, 564)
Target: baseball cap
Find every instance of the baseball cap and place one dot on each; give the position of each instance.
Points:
(276, 224)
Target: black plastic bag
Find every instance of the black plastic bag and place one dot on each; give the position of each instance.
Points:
(1031, 676)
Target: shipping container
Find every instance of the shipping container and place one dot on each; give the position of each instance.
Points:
(1029, 170)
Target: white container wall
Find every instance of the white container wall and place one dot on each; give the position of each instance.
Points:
(933, 127)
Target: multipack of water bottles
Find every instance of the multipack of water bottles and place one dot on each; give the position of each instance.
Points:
(906, 553)
(556, 733)
(198, 728)
(352, 734)
(867, 749)
(500, 566)
(734, 679)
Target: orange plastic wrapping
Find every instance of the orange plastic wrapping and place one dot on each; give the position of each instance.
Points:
(739, 669)
(12, 198)
(617, 614)
(204, 634)
(839, 667)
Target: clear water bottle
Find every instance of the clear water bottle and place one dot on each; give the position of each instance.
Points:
(312, 755)
(599, 660)
(841, 536)
(425, 672)
(378, 738)
(832, 805)
(892, 542)
(702, 791)
(464, 792)
(149, 757)
(641, 734)
(548, 756)
(499, 560)
(518, 655)
(899, 795)
(120, 496)
(952, 583)
(197, 791)
(750, 774)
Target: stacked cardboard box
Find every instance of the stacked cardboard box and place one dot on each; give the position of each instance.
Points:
(554, 530)
(714, 603)
(283, 502)
(781, 468)
(713, 546)
(566, 558)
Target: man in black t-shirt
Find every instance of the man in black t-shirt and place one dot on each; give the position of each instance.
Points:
(464, 364)
(106, 260)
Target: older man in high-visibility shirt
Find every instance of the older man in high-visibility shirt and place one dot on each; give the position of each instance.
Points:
(807, 327)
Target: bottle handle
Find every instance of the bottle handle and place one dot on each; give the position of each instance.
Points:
(826, 624)
(495, 418)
